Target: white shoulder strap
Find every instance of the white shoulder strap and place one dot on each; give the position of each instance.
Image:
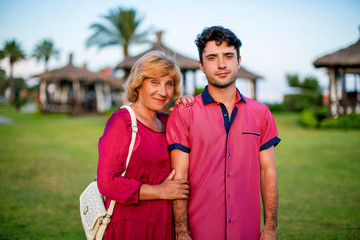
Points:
(134, 129)
(131, 147)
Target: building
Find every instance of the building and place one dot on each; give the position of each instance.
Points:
(77, 90)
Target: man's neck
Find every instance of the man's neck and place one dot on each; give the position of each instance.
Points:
(227, 96)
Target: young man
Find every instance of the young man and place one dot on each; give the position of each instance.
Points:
(224, 144)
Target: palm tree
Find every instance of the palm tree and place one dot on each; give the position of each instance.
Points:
(13, 51)
(2, 54)
(120, 30)
(45, 50)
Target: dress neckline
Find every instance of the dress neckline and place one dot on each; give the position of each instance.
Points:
(163, 132)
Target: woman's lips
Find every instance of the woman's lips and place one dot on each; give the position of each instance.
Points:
(159, 100)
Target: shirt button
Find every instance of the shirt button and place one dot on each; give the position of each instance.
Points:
(229, 220)
(225, 115)
(229, 196)
(228, 154)
(228, 174)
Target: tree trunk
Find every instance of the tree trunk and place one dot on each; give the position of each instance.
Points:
(12, 86)
(126, 51)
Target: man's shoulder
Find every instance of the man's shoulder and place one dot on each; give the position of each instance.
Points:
(255, 104)
(198, 104)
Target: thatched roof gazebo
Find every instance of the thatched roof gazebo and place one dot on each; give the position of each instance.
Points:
(244, 74)
(339, 64)
(186, 64)
(77, 90)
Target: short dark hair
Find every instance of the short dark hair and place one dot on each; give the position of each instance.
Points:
(219, 34)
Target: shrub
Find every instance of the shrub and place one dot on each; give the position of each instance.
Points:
(198, 91)
(301, 101)
(277, 107)
(351, 121)
(308, 118)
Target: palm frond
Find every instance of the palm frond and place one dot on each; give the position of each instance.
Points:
(13, 50)
(121, 28)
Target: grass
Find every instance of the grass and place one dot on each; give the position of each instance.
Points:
(318, 178)
(47, 160)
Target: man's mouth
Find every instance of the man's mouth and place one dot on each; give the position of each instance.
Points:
(222, 74)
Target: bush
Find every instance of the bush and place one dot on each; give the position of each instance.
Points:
(301, 101)
(351, 121)
(198, 91)
(308, 118)
(276, 107)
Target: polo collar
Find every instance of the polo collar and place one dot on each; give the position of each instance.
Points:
(207, 98)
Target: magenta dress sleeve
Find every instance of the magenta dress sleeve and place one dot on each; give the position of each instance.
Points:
(113, 149)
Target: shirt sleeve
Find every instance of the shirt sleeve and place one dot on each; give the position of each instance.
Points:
(177, 130)
(113, 149)
(269, 133)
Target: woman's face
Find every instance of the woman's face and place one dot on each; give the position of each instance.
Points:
(155, 93)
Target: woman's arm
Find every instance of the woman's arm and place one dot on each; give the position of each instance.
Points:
(113, 149)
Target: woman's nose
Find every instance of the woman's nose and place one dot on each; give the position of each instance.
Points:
(162, 90)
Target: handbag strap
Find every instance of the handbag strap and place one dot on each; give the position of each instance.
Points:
(134, 130)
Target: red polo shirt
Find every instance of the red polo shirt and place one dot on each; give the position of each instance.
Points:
(224, 171)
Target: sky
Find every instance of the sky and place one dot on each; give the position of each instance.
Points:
(279, 37)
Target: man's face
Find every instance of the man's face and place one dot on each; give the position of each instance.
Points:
(220, 64)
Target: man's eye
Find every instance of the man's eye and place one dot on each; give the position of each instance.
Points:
(170, 84)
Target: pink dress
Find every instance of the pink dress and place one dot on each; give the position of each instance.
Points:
(149, 163)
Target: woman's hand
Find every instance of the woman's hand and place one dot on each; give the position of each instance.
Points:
(171, 189)
(185, 100)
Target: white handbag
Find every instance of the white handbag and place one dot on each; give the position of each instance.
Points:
(94, 216)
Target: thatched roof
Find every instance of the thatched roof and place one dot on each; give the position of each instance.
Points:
(183, 62)
(72, 73)
(243, 73)
(347, 58)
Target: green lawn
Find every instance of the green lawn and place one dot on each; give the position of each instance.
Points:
(46, 162)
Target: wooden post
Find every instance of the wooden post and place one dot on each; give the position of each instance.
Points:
(194, 79)
(76, 89)
(333, 99)
(183, 72)
(43, 92)
(252, 83)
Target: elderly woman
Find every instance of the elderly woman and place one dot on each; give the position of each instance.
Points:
(143, 208)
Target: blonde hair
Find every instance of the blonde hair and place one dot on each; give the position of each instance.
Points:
(153, 64)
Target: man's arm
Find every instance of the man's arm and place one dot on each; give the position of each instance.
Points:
(180, 162)
(269, 192)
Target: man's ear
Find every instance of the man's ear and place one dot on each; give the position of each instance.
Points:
(239, 61)
(201, 66)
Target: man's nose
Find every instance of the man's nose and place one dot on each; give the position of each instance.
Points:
(221, 62)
